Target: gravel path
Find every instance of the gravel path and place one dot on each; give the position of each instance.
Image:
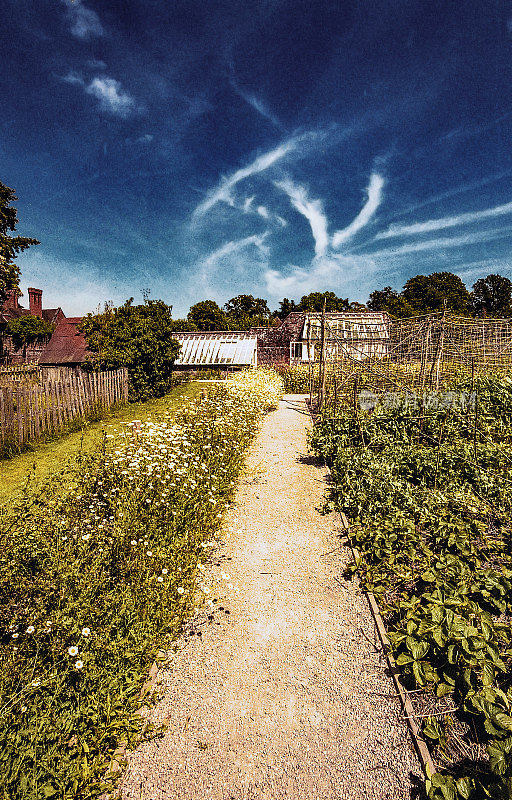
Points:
(286, 696)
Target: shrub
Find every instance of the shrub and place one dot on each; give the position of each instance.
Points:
(136, 337)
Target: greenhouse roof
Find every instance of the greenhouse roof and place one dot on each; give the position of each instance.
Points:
(216, 348)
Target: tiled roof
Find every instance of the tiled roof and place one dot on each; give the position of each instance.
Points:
(67, 344)
(49, 314)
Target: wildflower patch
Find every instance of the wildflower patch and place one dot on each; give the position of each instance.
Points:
(97, 572)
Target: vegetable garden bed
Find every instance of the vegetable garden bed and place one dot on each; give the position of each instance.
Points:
(427, 488)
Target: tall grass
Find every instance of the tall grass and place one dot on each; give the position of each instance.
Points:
(97, 572)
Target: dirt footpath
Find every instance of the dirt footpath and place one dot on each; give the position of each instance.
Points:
(287, 697)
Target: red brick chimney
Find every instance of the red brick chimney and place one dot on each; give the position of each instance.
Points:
(35, 302)
(11, 301)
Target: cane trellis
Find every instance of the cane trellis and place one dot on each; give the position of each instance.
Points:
(425, 352)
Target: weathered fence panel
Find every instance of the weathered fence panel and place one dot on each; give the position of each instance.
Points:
(29, 412)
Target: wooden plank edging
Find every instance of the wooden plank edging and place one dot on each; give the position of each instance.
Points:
(419, 742)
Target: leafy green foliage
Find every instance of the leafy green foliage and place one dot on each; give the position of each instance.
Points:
(10, 246)
(207, 316)
(426, 293)
(28, 329)
(390, 300)
(315, 302)
(246, 311)
(139, 338)
(492, 296)
(429, 496)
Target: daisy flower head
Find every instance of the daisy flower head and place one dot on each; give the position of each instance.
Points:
(73, 650)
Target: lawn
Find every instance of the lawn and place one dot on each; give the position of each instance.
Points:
(36, 465)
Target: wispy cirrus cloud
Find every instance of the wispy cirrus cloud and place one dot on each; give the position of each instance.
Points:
(84, 22)
(256, 104)
(222, 192)
(445, 222)
(312, 210)
(249, 207)
(447, 242)
(229, 248)
(374, 191)
(230, 257)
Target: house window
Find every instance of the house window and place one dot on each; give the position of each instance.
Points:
(295, 351)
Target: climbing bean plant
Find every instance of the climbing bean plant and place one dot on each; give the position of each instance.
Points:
(427, 488)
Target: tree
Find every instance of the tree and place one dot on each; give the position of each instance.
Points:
(207, 316)
(492, 296)
(28, 329)
(10, 246)
(286, 307)
(426, 293)
(179, 325)
(246, 311)
(136, 337)
(391, 301)
(315, 301)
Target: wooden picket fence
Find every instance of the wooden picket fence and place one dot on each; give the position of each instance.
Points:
(29, 412)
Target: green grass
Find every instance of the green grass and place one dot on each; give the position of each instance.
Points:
(45, 458)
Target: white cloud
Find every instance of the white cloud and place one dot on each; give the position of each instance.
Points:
(263, 212)
(247, 204)
(96, 63)
(111, 95)
(374, 190)
(222, 192)
(311, 209)
(234, 247)
(256, 104)
(341, 273)
(447, 241)
(236, 262)
(74, 78)
(84, 22)
(145, 138)
(445, 222)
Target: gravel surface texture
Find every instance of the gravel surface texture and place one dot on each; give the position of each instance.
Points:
(285, 696)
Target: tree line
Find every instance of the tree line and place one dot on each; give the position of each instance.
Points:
(423, 294)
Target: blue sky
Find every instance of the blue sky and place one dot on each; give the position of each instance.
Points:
(205, 149)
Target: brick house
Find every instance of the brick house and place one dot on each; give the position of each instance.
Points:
(10, 310)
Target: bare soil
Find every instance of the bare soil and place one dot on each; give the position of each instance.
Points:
(285, 696)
